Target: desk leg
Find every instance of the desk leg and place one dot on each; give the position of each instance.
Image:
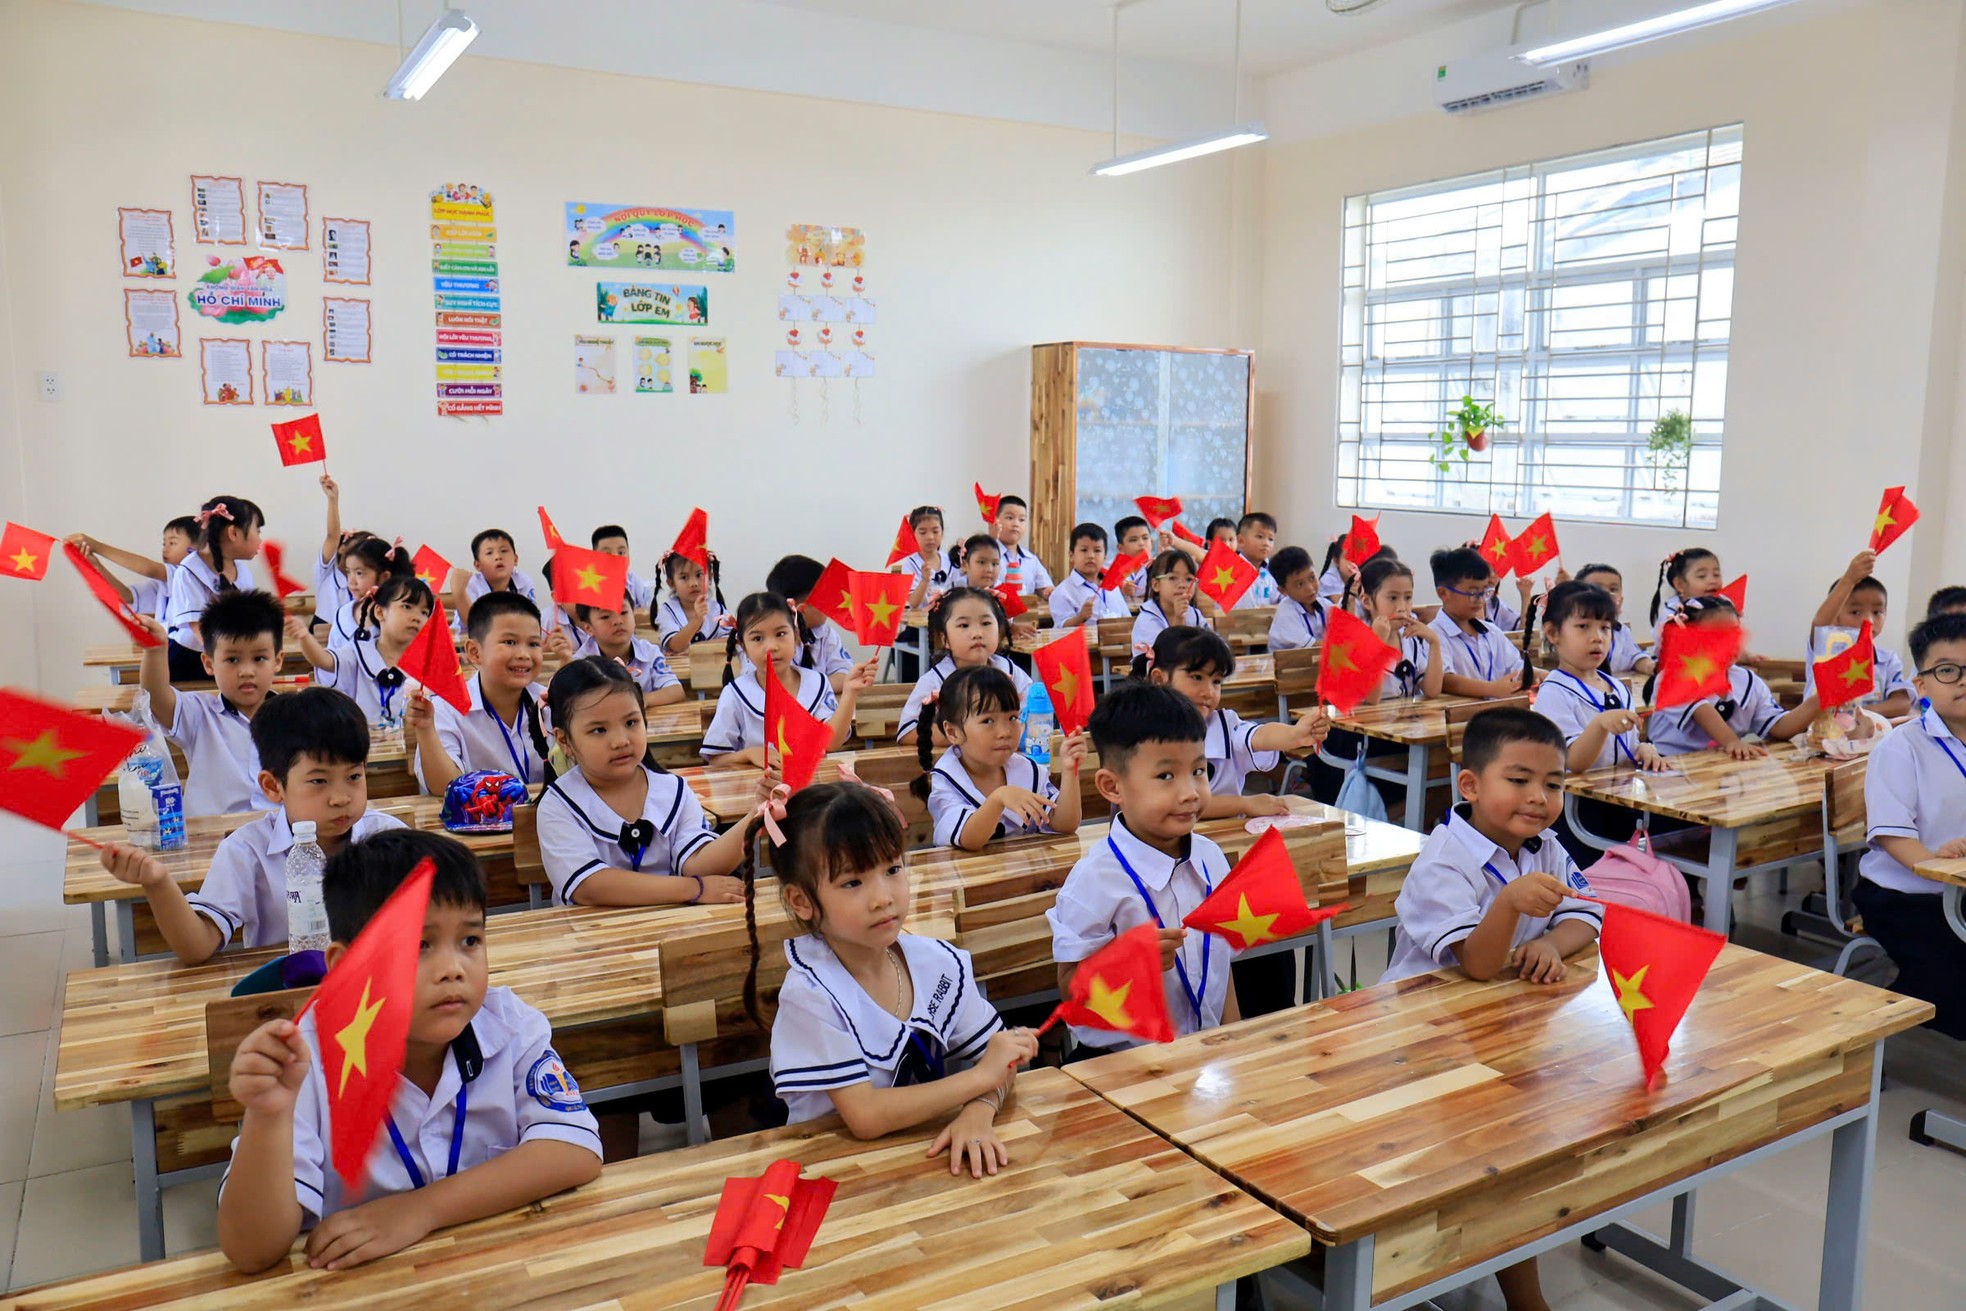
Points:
(150, 1198)
(99, 932)
(1325, 958)
(1348, 1276)
(692, 1095)
(1225, 1296)
(1416, 788)
(1682, 1224)
(1720, 879)
(126, 930)
(1846, 1225)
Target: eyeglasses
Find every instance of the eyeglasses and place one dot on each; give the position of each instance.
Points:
(1485, 594)
(1945, 671)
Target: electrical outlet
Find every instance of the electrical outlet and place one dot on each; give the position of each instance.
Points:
(50, 386)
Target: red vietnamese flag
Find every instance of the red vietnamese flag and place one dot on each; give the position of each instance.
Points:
(832, 596)
(765, 1226)
(276, 563)
(300, 441)
(1737, 593)
(431, 659)
(693, 541)
(1187, 535)
(1354, 662)
(1119, 988)
(52, 759)
(1850, 674)
(1693, 662)
(362, 1023)
(878, 603)
(1496, 548)
(1157, 510)
(1895, 516)
(1362, 542)
(1261, 900)
(553, 539)
(1535, 547)
(591, 578)
(988, 505)
(433, 569)
(1120, 570)
(801, 740)
(1225, 575)
(112, 600)
(904, 543)
(25, 553)
(1012, 597)
(1654, 967)
(1065, 666)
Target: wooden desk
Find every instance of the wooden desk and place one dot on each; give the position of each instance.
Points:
(1093, 1211)
(1929, 1126)
(1416, 723)
(1429, 1131)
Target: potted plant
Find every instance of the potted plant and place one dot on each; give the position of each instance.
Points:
(1671, 446)
(1466, 431)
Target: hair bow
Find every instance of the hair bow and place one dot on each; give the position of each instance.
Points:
(221, 510)
(848, 776)
(771, 810)
(636, 838)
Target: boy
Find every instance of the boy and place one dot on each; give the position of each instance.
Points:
(242, 632)
(1855, 599)
(1299, 620)
(497, 558)
(313, 749)
(612, 539)
(1019, 565)
(611, 633)
(182, 536)
(484, 1117)
(1480, 660)
(1256, 538)
(1079, 600)
(1152, 868)
(1915, 800)
(1946, 601)
(793, 578)
(505, 729)
(1135, 538)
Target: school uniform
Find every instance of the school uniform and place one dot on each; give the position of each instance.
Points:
(740, 719)
(825, 654)
(362, 675)
(1625, 653)
(830, 1034)
(245, 892)
(502, 1085)
(670, 619)
(1231, 758)
(218, 749)
(641, 592)
(1295, 627)
(1331, 584)
(953, 797)
(1487, 655)
(1016, 563)
(521, 583)
(645, 662)
(1122, 883)
(331, 589)
(1571, 704)
(580, 833)
(941, 577)
(932, 679)
(1456, 877)
(149, 596)
(1264, 591)
(1501, 615)
(1408, 676)
(1070, 596)
(480, 740)
(1152, 621)
(1887, 670)
(1671, 605)
(1138, 581)
(1749, 708)
(193, 585)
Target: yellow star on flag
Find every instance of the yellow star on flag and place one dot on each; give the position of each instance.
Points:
(354, 1037)
(1538, 544)
(785, 752)
(24, 560)
(882, 612)
(1699, 668)
(427, 579)
(1109, 1003)
(1339, 658)
(1068, 687)
(784, 1207)
(301, 442)
(1858, 672)
(1224, 578)
(588, 580)
(1500, 550)
(1250, 927)
(1631, 998)
(45, 753)
(1884, 520)
(845, 602)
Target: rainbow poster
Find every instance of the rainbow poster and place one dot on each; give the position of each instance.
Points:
(603, 236)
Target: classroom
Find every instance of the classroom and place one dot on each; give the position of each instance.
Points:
(1246, 653)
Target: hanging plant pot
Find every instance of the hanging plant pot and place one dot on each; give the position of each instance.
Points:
(1477, 439)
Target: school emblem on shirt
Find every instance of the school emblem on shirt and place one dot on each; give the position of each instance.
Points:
(552, 1085)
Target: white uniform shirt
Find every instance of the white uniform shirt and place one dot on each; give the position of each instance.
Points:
(830, 1034)
(521, 583)
(1752, 709)
(193, 585)
(1030, 571)
(1571, 704)
(1625, 652)
(645, 662)
(1293, 627)
(1455, 878)
(1098, 902)
(940, 579)
(331, 588)
(1408, 676)
(580, 833)
(1264, 591)
(953, 796)
(1231, 758)
(1914, 787)
(1076, 590)
(1500, 614)
(1671, 605)
(358, 669)
(218, 747)
(740, 719)
(641, 592)
(1331, 584)
(480, 740)
(717, 621)
(521, 1093)
(1150, 623)
(1486, 655)
(932, 679)
(149, 596)
(1887, 672)
(826, 653)
(245, 893)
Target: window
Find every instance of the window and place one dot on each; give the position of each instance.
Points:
(1585, 298)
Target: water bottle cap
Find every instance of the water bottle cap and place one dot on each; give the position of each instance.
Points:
(304, 830)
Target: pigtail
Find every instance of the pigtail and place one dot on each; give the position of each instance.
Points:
(1536, 603)
(716, 578)
(529, 713)
(747, 870)
(730, 654)
(1331, 554)
(1659, 596)
(924, 744)
(807, 639)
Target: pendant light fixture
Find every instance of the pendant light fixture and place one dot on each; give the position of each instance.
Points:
(1242, 134)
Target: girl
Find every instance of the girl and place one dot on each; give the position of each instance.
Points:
(1625, 657)
(364, 666)
(1690, 573)
(615, 829)
(982, 788)
(858, 1029)
(967, 625)
(231, 526)
(768, 630)
(1593, 709)
(1194, 661)
(1385, 600)
(1170, 601)
(1221, 530)
(366, 564)
(330, 591)
(695, 610)
(932, 571)
(981, 557)
(1336, 579)
(1855, 599)
(1748, 710)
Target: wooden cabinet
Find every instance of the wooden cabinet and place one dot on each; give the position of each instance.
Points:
(1110, 422)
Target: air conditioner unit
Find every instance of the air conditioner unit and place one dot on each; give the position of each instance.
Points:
(1488, 81)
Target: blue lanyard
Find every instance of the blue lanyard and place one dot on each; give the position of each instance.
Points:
(521, 754)
(457, 1141)
(1950, 755)
(1489, 865)
(1610, 702)
(1207, 941)
(937, 1065)
(1486, 666)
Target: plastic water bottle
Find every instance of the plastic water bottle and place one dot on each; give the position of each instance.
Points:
(307, 914)
(167, 798)
(1038, 722)
(140, 774)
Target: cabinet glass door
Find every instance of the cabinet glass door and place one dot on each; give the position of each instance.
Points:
(1161, 423)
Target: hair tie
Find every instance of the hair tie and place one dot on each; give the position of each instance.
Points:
(220, 510)
(771, 810)
(848, 776)
(398, 544)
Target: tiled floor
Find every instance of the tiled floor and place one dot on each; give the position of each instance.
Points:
(67, 1203)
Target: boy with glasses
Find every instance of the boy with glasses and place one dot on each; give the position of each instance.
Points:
(1480, 659)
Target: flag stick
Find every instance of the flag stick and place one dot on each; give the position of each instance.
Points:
(1056, 1014)
(84, 839)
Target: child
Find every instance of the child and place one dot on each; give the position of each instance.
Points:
(241, 634)
(1256, 538)
(1915, 800)
(857, 1029)
(365, 667)
(1625, 657)
(1171, 600)
(1480, 660)
(1079, 600)
(820, 646)
(611, 634)
(1335, 575)
(982, 788)
(1945, 601)
(367, 563)
(616, 811)
(1135, 538)
(1592, 710)
(982, 562)
(1385, 592)
(150, 592)
(1020, 567)
(1692, 572)
(695, 610)
(330, 591)
(503, 730)
(1221, 530)
(1855, 599)
(932, 571)
(612, 539)
(969, 628)
(1152, 868)
(497, 558)
(1300, 619)
(1749, 710)
(231, 526)
(1193, 662)
(523, 1132)
(1493, 890)
(313, 748)
(768, 630)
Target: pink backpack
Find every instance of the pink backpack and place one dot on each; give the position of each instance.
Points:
(1632, 876)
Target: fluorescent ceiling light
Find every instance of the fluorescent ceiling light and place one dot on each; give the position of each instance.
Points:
(435, 52)
(1242, 135)
(1646, 29)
